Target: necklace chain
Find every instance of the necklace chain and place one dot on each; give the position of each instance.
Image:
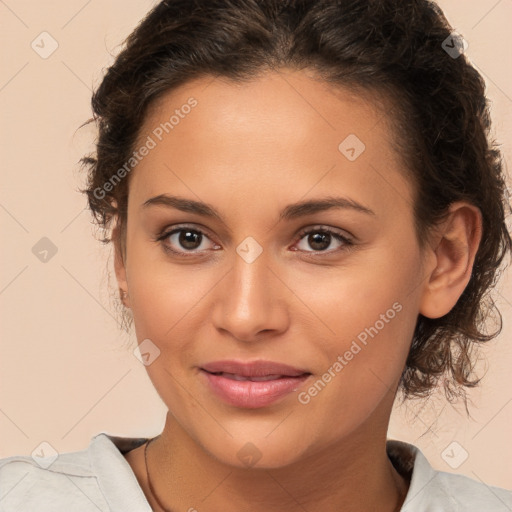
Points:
(149, 480)
(153, 491)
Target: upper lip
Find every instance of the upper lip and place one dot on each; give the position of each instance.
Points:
(253, 368)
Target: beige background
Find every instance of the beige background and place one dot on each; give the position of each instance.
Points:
(66, 370)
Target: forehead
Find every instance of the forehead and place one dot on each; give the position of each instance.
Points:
(291, 99)
(282, 128)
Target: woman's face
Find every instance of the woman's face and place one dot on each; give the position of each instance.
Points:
(247, 284)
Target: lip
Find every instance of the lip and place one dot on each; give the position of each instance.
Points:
(281, 380)
(258, 368)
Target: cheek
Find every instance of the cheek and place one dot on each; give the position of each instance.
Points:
(165, 301)
(365, 362)
(374, 295)
(366, 336)
(163, 296)
(368, 314)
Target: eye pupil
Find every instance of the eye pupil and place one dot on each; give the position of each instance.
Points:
(319, 238)
(188, 237)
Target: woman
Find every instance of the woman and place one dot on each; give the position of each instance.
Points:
(307, 214)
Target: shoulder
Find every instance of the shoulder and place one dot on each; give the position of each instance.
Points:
(49, 483)
(81, 480)
(431, 489)
(470, 494)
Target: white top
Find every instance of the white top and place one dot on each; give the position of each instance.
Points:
(100, 479)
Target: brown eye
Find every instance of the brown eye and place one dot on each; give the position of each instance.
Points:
(189, 239)
(185, 241)
(320, 239)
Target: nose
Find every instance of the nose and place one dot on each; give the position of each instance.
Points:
(250, 302)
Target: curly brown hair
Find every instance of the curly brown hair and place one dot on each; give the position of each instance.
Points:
(395, 49)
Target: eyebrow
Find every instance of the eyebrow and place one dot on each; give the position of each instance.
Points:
(290, 212)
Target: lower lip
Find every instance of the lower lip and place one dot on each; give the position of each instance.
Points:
(249, 394)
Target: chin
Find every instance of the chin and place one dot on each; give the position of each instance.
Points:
(258, 453)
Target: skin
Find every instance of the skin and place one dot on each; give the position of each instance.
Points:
(249, 150)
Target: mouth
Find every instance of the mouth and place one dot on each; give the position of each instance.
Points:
(234, 376)
(259, 368)
(254, 384)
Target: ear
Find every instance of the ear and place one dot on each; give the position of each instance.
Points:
(119, 239)
(456, 244)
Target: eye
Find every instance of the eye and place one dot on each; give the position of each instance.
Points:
(185, 241)
(320, 238)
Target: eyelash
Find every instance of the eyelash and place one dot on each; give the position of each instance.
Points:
(346, 242)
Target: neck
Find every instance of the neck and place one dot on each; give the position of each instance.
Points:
(352, 475)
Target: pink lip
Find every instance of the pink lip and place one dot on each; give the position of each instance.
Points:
(252, 394)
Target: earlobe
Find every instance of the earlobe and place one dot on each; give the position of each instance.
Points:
(454, 256)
